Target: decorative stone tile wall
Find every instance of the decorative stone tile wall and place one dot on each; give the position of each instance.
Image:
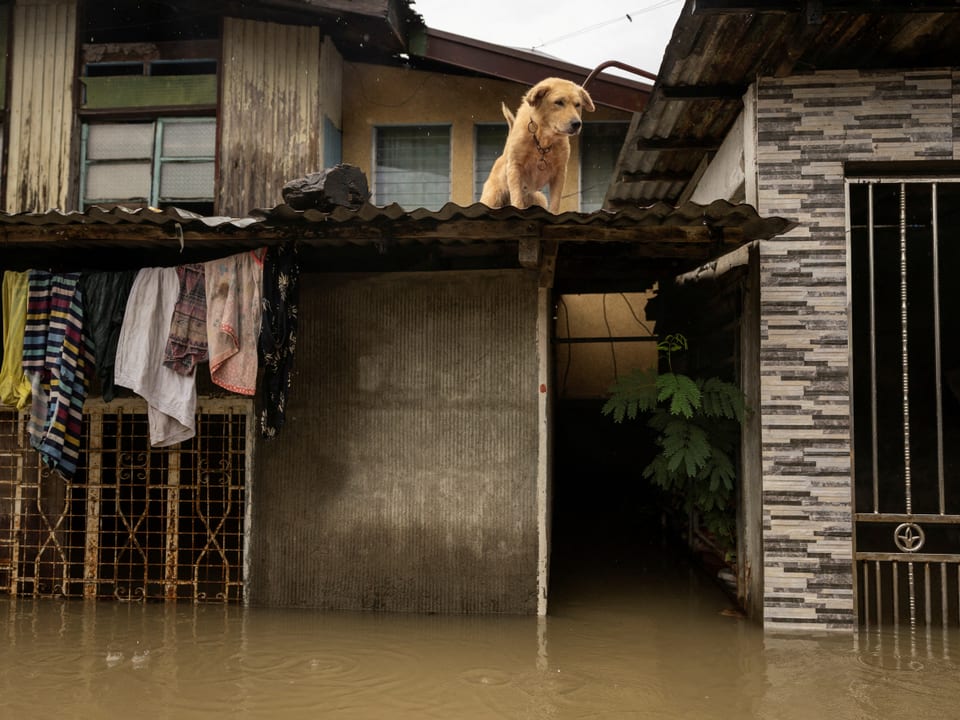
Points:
(807, 127)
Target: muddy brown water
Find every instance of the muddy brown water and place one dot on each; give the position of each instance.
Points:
(626, 642)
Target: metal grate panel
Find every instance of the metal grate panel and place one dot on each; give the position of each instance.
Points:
(135, 522)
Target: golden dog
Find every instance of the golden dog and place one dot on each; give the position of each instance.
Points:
(538, 146)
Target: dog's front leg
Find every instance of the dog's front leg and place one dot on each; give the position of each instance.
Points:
(556, 192)
(515, 185)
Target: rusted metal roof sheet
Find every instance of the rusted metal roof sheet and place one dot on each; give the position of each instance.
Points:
(718, 49)
(625, 247)
(135, 227)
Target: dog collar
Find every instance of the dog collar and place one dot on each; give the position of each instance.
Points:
(542, 162)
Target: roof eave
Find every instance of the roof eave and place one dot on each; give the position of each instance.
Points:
(524, 66)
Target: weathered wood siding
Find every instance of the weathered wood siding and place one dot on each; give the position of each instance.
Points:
(271, 110)
(42, 119)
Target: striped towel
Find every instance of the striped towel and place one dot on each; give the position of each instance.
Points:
(58, 354)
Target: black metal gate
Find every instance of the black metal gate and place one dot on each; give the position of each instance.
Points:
(905, 355)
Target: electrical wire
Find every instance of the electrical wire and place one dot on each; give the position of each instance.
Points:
(636, 317)
(566, 371)
(597, 26)
(613, 347)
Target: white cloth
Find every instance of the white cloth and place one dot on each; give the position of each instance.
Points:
(171, 397)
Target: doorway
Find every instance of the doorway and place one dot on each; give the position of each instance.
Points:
(905, 400)
(604, 511)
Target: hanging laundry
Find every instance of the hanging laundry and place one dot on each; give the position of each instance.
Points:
(234, 287)
(57, 357)
(187, 341)
(34, 355)
(171, 397)
(104, 303)
(278, 333)
(14, 384)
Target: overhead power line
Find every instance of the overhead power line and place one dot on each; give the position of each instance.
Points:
(619, 18)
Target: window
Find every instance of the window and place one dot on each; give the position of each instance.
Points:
(169, 161)
(490, 140)
(412, 166)
(600, 145)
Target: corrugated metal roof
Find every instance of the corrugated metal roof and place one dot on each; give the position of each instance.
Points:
(594, 248)
(126, 227)
(719, 47)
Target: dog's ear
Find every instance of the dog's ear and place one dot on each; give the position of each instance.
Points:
(587, 101)
(536, 94)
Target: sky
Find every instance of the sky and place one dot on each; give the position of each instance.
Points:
(582, 32)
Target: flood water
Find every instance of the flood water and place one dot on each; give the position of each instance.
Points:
(625, 641)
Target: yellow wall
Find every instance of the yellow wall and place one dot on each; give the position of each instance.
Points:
(379, 95)
(586, 370)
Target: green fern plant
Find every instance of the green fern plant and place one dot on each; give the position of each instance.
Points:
(696, 421)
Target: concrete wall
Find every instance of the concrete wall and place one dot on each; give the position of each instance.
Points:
(807, 126)
(405, 478)
(378, 95)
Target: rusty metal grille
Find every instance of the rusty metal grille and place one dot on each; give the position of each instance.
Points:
(135, 523)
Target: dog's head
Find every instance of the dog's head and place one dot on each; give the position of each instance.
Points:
(558, 104)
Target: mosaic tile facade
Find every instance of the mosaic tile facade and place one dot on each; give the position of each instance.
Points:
(807, 127)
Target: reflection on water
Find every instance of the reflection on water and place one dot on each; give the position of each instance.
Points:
(638, 643)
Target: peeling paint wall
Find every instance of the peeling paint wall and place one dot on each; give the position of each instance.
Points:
(275, 79)
(405, 477)
(41, 158)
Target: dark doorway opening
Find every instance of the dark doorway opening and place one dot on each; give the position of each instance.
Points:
(612, 529)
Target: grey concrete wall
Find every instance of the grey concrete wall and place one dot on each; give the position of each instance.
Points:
(807, 126)
(405, 477)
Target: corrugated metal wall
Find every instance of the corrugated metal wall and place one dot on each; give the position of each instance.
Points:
(270, 111)
(405, 477)
(42, 119)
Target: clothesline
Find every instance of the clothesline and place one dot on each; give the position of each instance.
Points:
(148, 330)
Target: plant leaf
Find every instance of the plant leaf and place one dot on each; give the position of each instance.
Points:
(681, 391)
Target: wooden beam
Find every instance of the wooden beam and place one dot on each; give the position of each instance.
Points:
(702, 92)
(864, 7)
(707, 144)
(529, 253)
(654, 176)
(730, 7)
(548, 263)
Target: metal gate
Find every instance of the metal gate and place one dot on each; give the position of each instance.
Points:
(135, 522)
(904, 252)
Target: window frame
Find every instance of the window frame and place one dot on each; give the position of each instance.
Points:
(375, 183)
(157, 162)
(625, 125)
(477, 183)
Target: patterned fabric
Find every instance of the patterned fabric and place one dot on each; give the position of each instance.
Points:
(234, 287)
(55, 324)
(187, 344)
(104, 302)
(278, 333)
(38, 323)
(14, 384)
